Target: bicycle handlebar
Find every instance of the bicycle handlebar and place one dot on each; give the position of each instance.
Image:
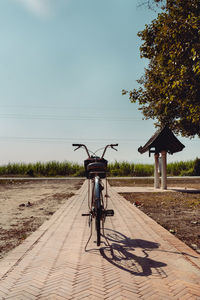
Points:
(86, 149)
(79, 146)
(106, 147)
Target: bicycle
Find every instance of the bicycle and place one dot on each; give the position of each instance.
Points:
(95, 171)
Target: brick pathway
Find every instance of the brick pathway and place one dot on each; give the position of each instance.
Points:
(147, 189)
(139, 260)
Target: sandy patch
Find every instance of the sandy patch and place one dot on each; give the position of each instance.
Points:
(25, 205)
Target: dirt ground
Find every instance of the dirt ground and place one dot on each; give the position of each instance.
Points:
(187, 182)
(178, 212)
(25, 205)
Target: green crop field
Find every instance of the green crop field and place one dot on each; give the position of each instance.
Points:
(124, 168)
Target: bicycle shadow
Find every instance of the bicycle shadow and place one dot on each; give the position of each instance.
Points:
(119, 252)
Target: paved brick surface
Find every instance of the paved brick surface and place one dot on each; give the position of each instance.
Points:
(138, 259)
(148, 189)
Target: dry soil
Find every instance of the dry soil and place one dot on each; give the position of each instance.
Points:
(26, 204)
(178, 212)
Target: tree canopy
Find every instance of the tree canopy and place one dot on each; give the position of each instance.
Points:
(169, 91)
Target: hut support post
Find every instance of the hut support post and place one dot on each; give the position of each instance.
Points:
(156, 174)
(164, 170)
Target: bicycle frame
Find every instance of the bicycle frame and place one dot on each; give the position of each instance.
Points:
(90, 193)
(96, 170)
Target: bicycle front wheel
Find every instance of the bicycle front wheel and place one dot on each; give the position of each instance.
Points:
(98, 208)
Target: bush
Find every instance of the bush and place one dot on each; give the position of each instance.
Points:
(179, 168)
(144, 170)
(30, 173)
(197, 167)
(189, 172)
(80, 172)
(123, 168)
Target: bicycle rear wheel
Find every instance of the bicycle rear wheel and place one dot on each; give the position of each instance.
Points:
(98, 208)
(98, 228)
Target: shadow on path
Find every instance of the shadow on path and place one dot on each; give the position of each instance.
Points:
(186, 191)
(120, 252)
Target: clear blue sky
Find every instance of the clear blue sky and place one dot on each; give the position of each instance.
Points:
(63, 66)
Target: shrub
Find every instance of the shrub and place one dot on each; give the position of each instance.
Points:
(189, 172)
(143, 170)
(179, 168)
(30, 173)
(123, 168)
(197, 167)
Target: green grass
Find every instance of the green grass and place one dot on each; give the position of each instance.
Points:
(124, 168)
(181, 168)
(50, 169)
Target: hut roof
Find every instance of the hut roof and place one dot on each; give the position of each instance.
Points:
(163, 139)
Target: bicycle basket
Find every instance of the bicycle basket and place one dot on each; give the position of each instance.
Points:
(95, 166)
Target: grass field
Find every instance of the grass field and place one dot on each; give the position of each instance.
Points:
(66, 168)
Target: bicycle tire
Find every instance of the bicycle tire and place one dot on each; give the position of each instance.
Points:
(98, 228)
(98, 208)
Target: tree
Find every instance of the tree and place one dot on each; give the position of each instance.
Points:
(169, 91)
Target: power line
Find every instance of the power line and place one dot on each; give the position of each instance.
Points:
(64, 140)
(67, 118)
(65, 107)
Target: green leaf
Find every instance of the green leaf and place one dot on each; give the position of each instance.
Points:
(169, 90)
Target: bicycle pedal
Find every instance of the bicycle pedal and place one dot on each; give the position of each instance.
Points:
(84, 215)
(109, 212)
